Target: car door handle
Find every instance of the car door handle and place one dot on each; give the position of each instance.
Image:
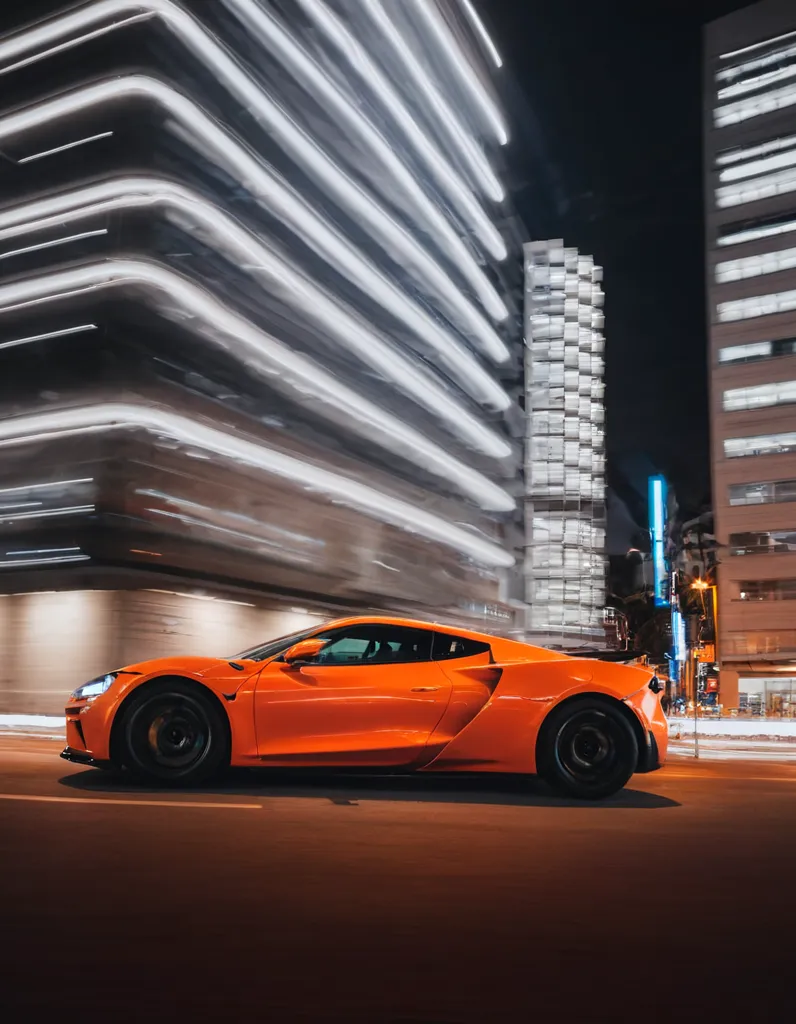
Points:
(424, 689)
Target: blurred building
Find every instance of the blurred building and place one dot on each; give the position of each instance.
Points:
(260, 328)
(565, 552)
(750, 188)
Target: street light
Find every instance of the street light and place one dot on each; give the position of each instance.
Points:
(701, 586)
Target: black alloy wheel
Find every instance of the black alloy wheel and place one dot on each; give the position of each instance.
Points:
(587, 749)
(173, 733)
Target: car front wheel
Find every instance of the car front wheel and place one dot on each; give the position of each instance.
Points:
(173, 733)
(587, 749)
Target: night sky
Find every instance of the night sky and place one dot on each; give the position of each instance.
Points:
(615, 93)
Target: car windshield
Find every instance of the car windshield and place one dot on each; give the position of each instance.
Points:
(277, 646)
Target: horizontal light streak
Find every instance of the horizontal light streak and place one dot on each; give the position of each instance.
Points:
(753, 46)
(53, 242)
(462, 70)
(432, 157)
(62, 149)
(385, 231)
(208, 138)
(447, 119)
(109, 417)
(6, 563)
(292, 373)
(40, 487)
(67, 510)
(191, 211)
(79, 328)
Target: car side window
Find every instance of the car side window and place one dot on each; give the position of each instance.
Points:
(377, 645)
(447, 647)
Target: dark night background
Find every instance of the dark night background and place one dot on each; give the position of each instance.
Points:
(615, 96)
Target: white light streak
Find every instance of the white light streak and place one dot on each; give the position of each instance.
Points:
(191, 212)
(475, 20)
(67, 510)
(40, 487)
(292, 373)
(48, 334)
(107, 418)
(447, 120)
(385, 231)
(443, 174)
(200, 597)
(51, 51)
(756, 46)
(43, 551)
(270, 192)
(53, 242)
(461, 69)
(61, 149)
(6, 563)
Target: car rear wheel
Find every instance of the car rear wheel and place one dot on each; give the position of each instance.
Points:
(172, 733)
(587, 749)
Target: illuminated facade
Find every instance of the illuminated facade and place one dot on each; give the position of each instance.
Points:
(565, 560)
(750, 193)
(259, 326)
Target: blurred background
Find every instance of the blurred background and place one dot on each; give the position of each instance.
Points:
(261, 303)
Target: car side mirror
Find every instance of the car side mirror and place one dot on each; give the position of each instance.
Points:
(305, 652)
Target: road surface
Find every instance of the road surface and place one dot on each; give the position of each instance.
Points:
(290, 898)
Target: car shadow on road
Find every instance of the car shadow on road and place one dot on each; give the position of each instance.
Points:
(350, 789)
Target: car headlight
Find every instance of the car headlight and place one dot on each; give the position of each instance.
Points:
(94, 688)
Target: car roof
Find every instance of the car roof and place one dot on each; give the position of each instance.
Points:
(394, 620)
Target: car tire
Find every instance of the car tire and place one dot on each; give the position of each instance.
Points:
(172, 733)
(587, 749)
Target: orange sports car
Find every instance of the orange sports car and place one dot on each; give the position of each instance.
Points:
(384, 693)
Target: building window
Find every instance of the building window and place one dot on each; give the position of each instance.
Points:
(757, 227)
(762, 444)
(756, 266)
(766, 493)
(759, 642)
(773, 695)
(759, 397)
(768, 590)
(754, 106)
(757, 350)
(763, 187)
(776, 542)
(751, 73)
(757, 305)
(745, 161)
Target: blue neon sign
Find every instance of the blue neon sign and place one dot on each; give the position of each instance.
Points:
(657, 518)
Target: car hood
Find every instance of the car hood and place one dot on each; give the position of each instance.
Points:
(178, 665)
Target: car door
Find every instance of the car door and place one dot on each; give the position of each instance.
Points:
(373, 696)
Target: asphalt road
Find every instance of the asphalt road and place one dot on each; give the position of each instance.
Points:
(290, 898)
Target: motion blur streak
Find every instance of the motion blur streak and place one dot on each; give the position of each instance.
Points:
(384, 230)
(448, 122)
(198, 130)
(192, 212)
(356, 55)
(271, 35)
(478, 25)
(115, 416)
(462, 69)
(177, 298)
